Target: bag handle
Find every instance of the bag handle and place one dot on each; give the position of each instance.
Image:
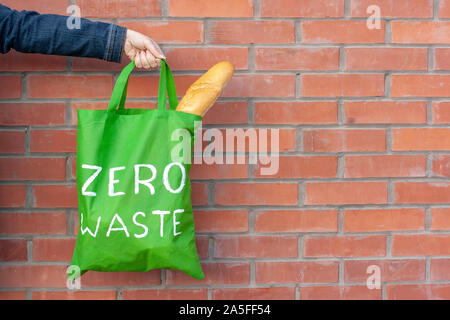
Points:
(166, 85)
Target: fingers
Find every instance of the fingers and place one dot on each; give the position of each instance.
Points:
(137, 60)
(143, 50)
(154, 49)
(145, 62)
(152, 60)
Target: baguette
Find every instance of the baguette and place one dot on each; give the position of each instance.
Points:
(202, 94)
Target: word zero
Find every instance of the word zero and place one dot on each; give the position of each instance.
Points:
(137, 181)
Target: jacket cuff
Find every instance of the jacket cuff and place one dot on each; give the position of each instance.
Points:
(116, 41)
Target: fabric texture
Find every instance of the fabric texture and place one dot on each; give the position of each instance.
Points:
(134, 195)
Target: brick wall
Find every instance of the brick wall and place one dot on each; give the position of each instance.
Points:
(364, 171)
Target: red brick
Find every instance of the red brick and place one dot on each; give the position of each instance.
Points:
(39, 223)
(212, 221)
(69, 86)
(302, 167)
(296, 112)
(297, 272)
(255, 246)
(53, 249)
(385, 111)
(44, 276)
(296, 221)
(421, 245)
(318, 31)
(232, 138)
(385, 166)
(271, 31)
(297, 58)
(440, 269)
(117, 8)
(422, 192)
(440, 219)
(261, 85)
(13, 250)
(424, 85)
(386, 59)
(55, 196)
(441, 165)
(339, 193)
(89, 64)
(384, 220)
(426, 32)
(18, 61)
(210, 8)
(10, 87)
(55, 276)
(441, 58)
(108, 279)
(227, 112)
(202, 244)
(441, 112)
(271, 293)
(302, 8)
(339, 293)
(199, 194)
(206, 171)
(444, 9)
(342, 85)
(335, 140)
(12, 196)
(53, 141)
(215, 273)
(418, 291)
(34, 114)
(205, 58)
(165, 294)
(394, 9)
(32, 168)
(73, 167)
(13, 295)
(421, 139)
(147, 86)
(344, 246)
(390, 270)
(12, 142)
(74, 295)
(169, 31)
(283, 194)
(42, 6)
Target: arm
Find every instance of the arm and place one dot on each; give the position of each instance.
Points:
(31, 32)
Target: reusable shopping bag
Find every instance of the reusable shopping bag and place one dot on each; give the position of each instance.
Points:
(134, 199)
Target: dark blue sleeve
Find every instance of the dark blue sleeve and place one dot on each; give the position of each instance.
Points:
(31, 32)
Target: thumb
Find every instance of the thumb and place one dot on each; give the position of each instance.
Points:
(154, 49)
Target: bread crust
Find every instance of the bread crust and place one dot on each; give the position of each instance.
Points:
(202, 94)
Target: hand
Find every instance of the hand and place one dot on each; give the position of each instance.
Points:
(144, 51)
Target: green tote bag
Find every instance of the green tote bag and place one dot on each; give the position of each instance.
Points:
(134, 195)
